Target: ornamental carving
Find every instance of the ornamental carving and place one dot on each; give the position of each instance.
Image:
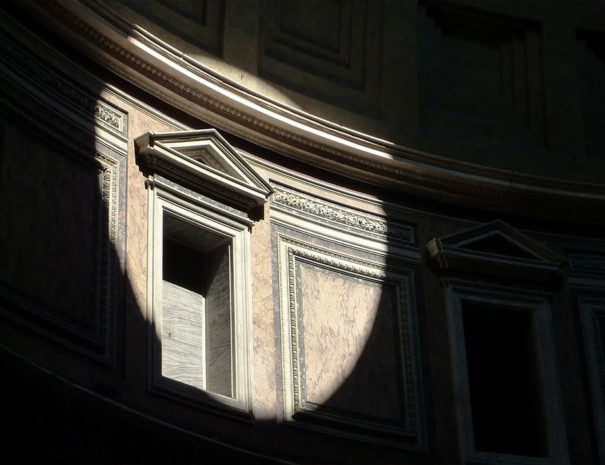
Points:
(342, 215)
(108, 115)
(27, 63)
(587, 263)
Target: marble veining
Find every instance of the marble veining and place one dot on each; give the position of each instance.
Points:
(349, 346)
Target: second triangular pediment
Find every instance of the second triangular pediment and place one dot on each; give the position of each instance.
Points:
(495, 249)
(499, 238)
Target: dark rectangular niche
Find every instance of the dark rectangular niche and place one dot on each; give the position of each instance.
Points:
(196, 307)
(505, 380)
(591, 53)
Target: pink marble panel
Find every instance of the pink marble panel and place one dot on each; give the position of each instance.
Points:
(137, 206)
(265, 356)
(349, 349)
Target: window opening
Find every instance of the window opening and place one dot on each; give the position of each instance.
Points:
(197, 306)
(505, 382)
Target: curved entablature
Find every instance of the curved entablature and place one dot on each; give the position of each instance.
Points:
(168, 73)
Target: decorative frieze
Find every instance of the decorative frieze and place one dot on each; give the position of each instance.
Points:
(103, 112)
(591, 264)
(341, 216)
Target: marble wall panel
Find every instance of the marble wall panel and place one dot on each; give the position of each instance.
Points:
(219, 325)
(182, 335)
(53, 201)
(347, 330)
(483, 78)
(61, 239)
(139, 122)
(264, 333)
(348, 343)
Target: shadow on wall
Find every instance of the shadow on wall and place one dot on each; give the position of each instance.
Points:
(75, 343)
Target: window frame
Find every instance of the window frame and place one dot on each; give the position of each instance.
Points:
(518, 299)
(187, 209)
(590, 304)
(199, 176)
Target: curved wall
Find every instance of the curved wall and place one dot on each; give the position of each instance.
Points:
(512, 85)
(363, 275)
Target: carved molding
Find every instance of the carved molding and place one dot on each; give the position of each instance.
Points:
(205, 161)
(497, 249)
(342, 216)
(105, 113)
(185, 83)
(590, 264)
(45, 78)
(407, 434)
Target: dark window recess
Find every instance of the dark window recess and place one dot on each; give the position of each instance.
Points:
(196, 307)
(505, 380)
(600, 316)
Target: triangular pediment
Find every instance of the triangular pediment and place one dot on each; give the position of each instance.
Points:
(498, 243)
(493, 248)
(499, 238)
(203, 158)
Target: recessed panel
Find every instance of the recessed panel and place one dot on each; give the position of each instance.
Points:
(196, 21)
(325, 49)
(483, 77)
(349, 329)
(53, 259)
(591, 53)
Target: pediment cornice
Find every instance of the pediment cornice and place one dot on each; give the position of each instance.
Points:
(496, 249)
(204, 160)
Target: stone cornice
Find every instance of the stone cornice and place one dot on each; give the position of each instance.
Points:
(174, 77)
(518, 256)
(206, 161)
